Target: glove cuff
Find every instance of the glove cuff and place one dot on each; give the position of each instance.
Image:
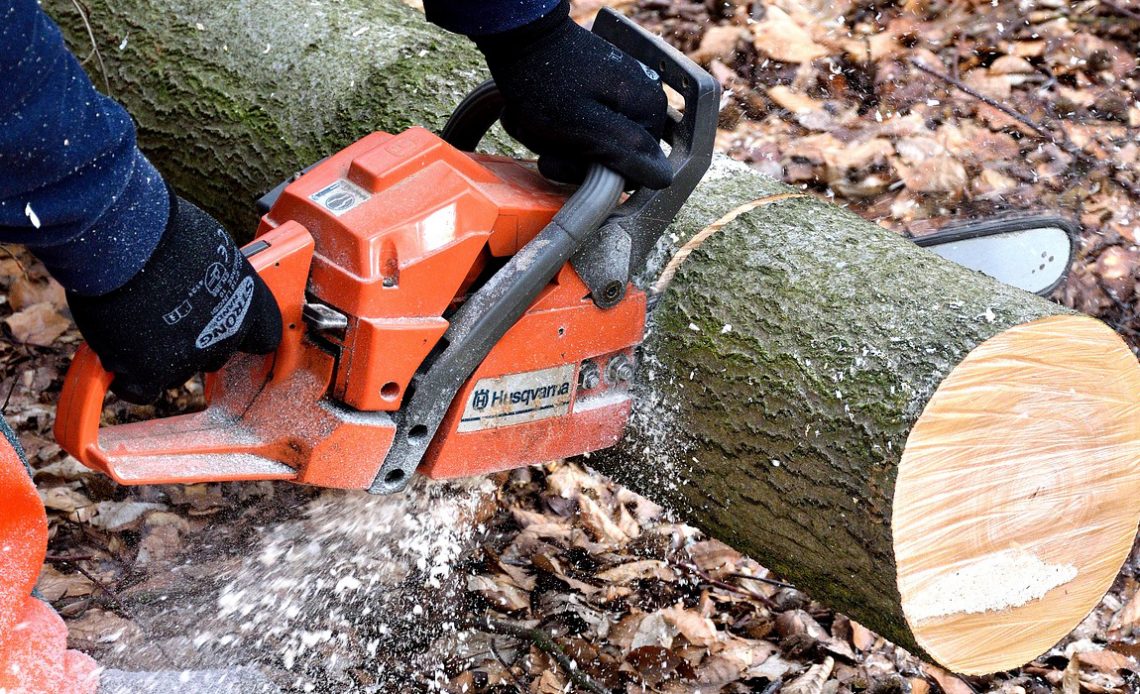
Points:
(522, 40)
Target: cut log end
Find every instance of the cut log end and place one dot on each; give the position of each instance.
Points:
(1018, 493)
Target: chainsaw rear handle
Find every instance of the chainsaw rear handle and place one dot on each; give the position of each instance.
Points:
(215, 448)
(622, 247)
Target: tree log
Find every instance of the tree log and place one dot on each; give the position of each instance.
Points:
(948, 460)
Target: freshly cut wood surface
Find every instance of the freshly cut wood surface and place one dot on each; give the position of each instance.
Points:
(1010, 520)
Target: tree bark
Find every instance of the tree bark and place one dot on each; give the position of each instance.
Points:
(816, 391)
(788, 366)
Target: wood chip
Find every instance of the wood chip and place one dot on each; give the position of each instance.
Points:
(811, 682)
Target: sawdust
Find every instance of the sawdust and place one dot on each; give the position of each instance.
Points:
(349, 596)
(997, 581)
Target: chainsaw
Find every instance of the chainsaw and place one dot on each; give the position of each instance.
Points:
(444, 312)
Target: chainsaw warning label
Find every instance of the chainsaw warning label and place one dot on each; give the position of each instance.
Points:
(519, 398)
(340, 197)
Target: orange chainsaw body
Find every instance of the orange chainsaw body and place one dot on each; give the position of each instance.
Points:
(386, 237)
(445, 312)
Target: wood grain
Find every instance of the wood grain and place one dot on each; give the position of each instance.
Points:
(1008, 522)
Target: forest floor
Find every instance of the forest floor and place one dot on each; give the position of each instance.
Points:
(1016, 106)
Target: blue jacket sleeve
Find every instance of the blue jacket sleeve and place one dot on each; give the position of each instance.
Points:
(74, 186)
(482, 17)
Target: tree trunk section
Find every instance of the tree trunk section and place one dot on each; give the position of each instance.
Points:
(948, 460)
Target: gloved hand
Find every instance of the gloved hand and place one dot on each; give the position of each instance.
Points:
(574, 99)
(194, 304)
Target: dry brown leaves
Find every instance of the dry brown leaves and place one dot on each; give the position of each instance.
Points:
(826, 96)
(649, 605)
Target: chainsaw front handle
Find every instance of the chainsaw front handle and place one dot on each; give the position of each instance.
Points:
(621, 249)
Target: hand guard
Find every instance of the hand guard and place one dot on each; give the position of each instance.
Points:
(574, 99)
(195, 303)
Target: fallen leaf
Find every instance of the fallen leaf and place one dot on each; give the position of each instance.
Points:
(1070, 679)
(63, 499)
(773, 668)
(26, 292)
(699, 630)
(718, 43)
(793, 101)
(780, 37)
(992, 184)
(159, 544)
(54, 585)
(718, 670)
(550, 682)
(654, 663)
(638, 570)
(39, 324)
(598, 522)
(518, 575)
(623, 633)
(914, 150)
(861, 637)
(98, 626)
(68, 469)
(949, 683)
(713, 556)
(121, 515)
(1106, 661)
(499, 593)
(654, 630)
(1116, 268)
(940, 175)
(919, 685)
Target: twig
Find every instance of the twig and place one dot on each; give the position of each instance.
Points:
(8, 397)
(1066, 143)
(546, 644)
(94, 45)
(101, 585)
(507, 668)
(762, 599)
(1120, 10)
(1007, 110)
(62, 559)
(7, 251)
(761, 579)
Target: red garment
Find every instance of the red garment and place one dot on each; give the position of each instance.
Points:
(34, 658)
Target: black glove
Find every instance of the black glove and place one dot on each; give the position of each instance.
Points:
(194, 304)
(573, 98)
